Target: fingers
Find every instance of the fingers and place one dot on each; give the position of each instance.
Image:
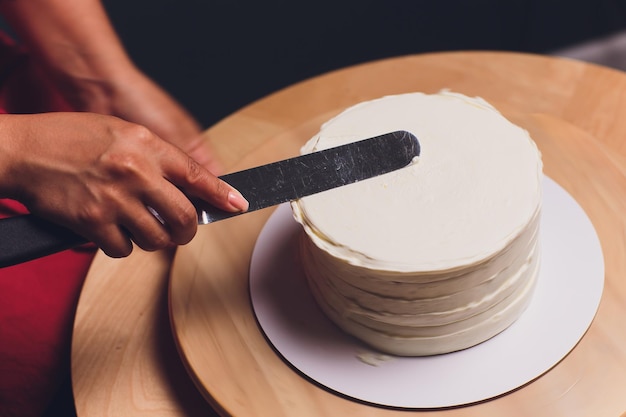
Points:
(163, 215)
(197, 181)
(198, 148)
(111, 239)
(146, 227)
(173, 212)
(156, 213)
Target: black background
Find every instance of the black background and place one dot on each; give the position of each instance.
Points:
(216, 56)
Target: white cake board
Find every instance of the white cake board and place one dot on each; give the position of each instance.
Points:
(565, 302)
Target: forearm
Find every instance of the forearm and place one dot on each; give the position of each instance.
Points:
(73, 39)
(9, 157)
(86, 64)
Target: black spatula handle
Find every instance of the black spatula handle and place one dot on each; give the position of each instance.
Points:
(27, 237)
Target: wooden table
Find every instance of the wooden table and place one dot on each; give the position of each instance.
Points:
(125, 360)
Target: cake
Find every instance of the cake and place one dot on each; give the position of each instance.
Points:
(435, 257)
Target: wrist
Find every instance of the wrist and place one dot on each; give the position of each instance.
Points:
(9, 157)
(90, 85)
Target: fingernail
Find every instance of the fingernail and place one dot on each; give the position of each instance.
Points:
(237, 201)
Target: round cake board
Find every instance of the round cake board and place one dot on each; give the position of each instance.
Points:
(565, 302)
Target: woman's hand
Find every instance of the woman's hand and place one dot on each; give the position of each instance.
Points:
(99, 175)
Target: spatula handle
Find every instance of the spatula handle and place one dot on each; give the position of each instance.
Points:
(27, 237)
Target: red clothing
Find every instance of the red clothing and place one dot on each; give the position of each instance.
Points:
(37, 304)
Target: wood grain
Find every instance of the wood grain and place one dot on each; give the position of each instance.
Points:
(124, 361)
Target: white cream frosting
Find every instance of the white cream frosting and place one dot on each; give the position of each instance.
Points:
(437, 256)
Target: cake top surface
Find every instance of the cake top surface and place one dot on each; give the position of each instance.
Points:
(475, 186)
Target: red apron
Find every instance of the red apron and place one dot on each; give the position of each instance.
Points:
(37, 305)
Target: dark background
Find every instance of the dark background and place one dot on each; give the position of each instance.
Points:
(216, 56)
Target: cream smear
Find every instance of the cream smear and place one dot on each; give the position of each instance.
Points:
(476, 185)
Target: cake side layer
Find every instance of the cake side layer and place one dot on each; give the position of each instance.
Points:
(450, 306)
(441, 255)
(460, 335)
(361, 281)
